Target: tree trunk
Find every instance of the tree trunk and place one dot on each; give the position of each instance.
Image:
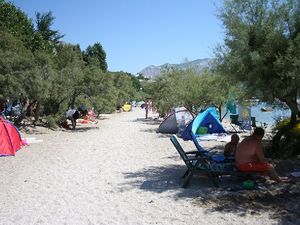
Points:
(19, 120)
(220, 112)
(37, 111)
(291, 102)
(73, 99)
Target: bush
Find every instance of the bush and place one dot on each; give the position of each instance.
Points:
(52, 122)
(289, 145)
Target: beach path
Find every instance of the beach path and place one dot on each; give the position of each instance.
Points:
(118, 171)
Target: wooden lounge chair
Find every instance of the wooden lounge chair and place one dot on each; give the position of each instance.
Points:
(199, 162)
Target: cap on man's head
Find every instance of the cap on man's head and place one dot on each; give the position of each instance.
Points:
(259, 131)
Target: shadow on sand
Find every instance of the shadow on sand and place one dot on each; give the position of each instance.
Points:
(149, 121)
(166, 178)
(80, 129)
(281, 201)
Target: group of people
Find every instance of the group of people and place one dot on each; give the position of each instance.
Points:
(74, 114)
(249, 155)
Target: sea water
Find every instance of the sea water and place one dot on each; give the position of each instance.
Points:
(268, 118)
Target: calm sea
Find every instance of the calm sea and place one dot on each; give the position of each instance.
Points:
(269, 117)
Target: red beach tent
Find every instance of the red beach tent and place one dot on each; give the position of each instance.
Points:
(10, 138)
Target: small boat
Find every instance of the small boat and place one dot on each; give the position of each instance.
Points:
(266, 109)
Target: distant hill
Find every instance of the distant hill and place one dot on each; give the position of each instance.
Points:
(198, 65)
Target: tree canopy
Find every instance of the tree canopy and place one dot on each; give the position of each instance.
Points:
(261, 53)
(261, 49)
(38, 70)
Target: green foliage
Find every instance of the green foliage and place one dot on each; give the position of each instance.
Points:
(38, 70)
(95, 55)
(261, 51)
(289, 144)
(16, 62)
(186, 88)
(16, 22)
(45, 38)
(43, 23)
(52, 122)
(294, 132)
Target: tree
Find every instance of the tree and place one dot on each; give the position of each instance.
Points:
(262, 55)
(16, 62)
(95, 55)
(261, 50)
(16, 22)
(48, 39)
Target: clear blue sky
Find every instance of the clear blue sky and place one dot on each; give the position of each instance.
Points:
(136, 33)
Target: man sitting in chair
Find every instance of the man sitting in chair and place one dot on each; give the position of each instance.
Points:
(249, 156)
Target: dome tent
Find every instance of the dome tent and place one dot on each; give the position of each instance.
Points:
(10, 138)
(205, 122)
(179, 116)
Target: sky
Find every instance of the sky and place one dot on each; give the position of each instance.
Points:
(136, 33)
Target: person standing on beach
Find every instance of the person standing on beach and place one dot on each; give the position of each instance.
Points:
(249, 156)
(146, 108)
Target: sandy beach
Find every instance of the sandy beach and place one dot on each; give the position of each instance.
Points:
(118, 171)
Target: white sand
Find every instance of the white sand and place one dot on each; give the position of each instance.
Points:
(119, 171)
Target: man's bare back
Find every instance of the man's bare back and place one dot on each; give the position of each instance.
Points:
(249, 156)
(249, 150)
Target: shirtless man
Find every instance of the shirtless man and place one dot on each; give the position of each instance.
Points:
(249, 156)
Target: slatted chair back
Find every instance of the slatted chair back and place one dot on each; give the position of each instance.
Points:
(181, 152)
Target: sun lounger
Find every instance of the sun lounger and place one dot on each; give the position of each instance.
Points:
(210, 154)
(202, 163)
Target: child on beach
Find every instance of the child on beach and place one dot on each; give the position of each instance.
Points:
(231, 146)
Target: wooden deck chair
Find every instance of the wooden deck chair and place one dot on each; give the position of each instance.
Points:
(197, 162)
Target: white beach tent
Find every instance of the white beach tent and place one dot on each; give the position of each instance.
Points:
(179, 116)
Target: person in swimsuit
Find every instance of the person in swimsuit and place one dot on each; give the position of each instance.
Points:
(250, 157)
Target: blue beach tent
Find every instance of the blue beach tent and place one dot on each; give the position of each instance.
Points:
(207, 122)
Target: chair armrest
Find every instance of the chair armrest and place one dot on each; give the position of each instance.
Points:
(198, 158)
(192, 152)
(210, 154)
(211, 149)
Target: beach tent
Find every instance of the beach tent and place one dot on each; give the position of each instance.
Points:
(207, 122)
(126, 107)
(10, 138)
(140, 104)
(175, 121)
(186, 133)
